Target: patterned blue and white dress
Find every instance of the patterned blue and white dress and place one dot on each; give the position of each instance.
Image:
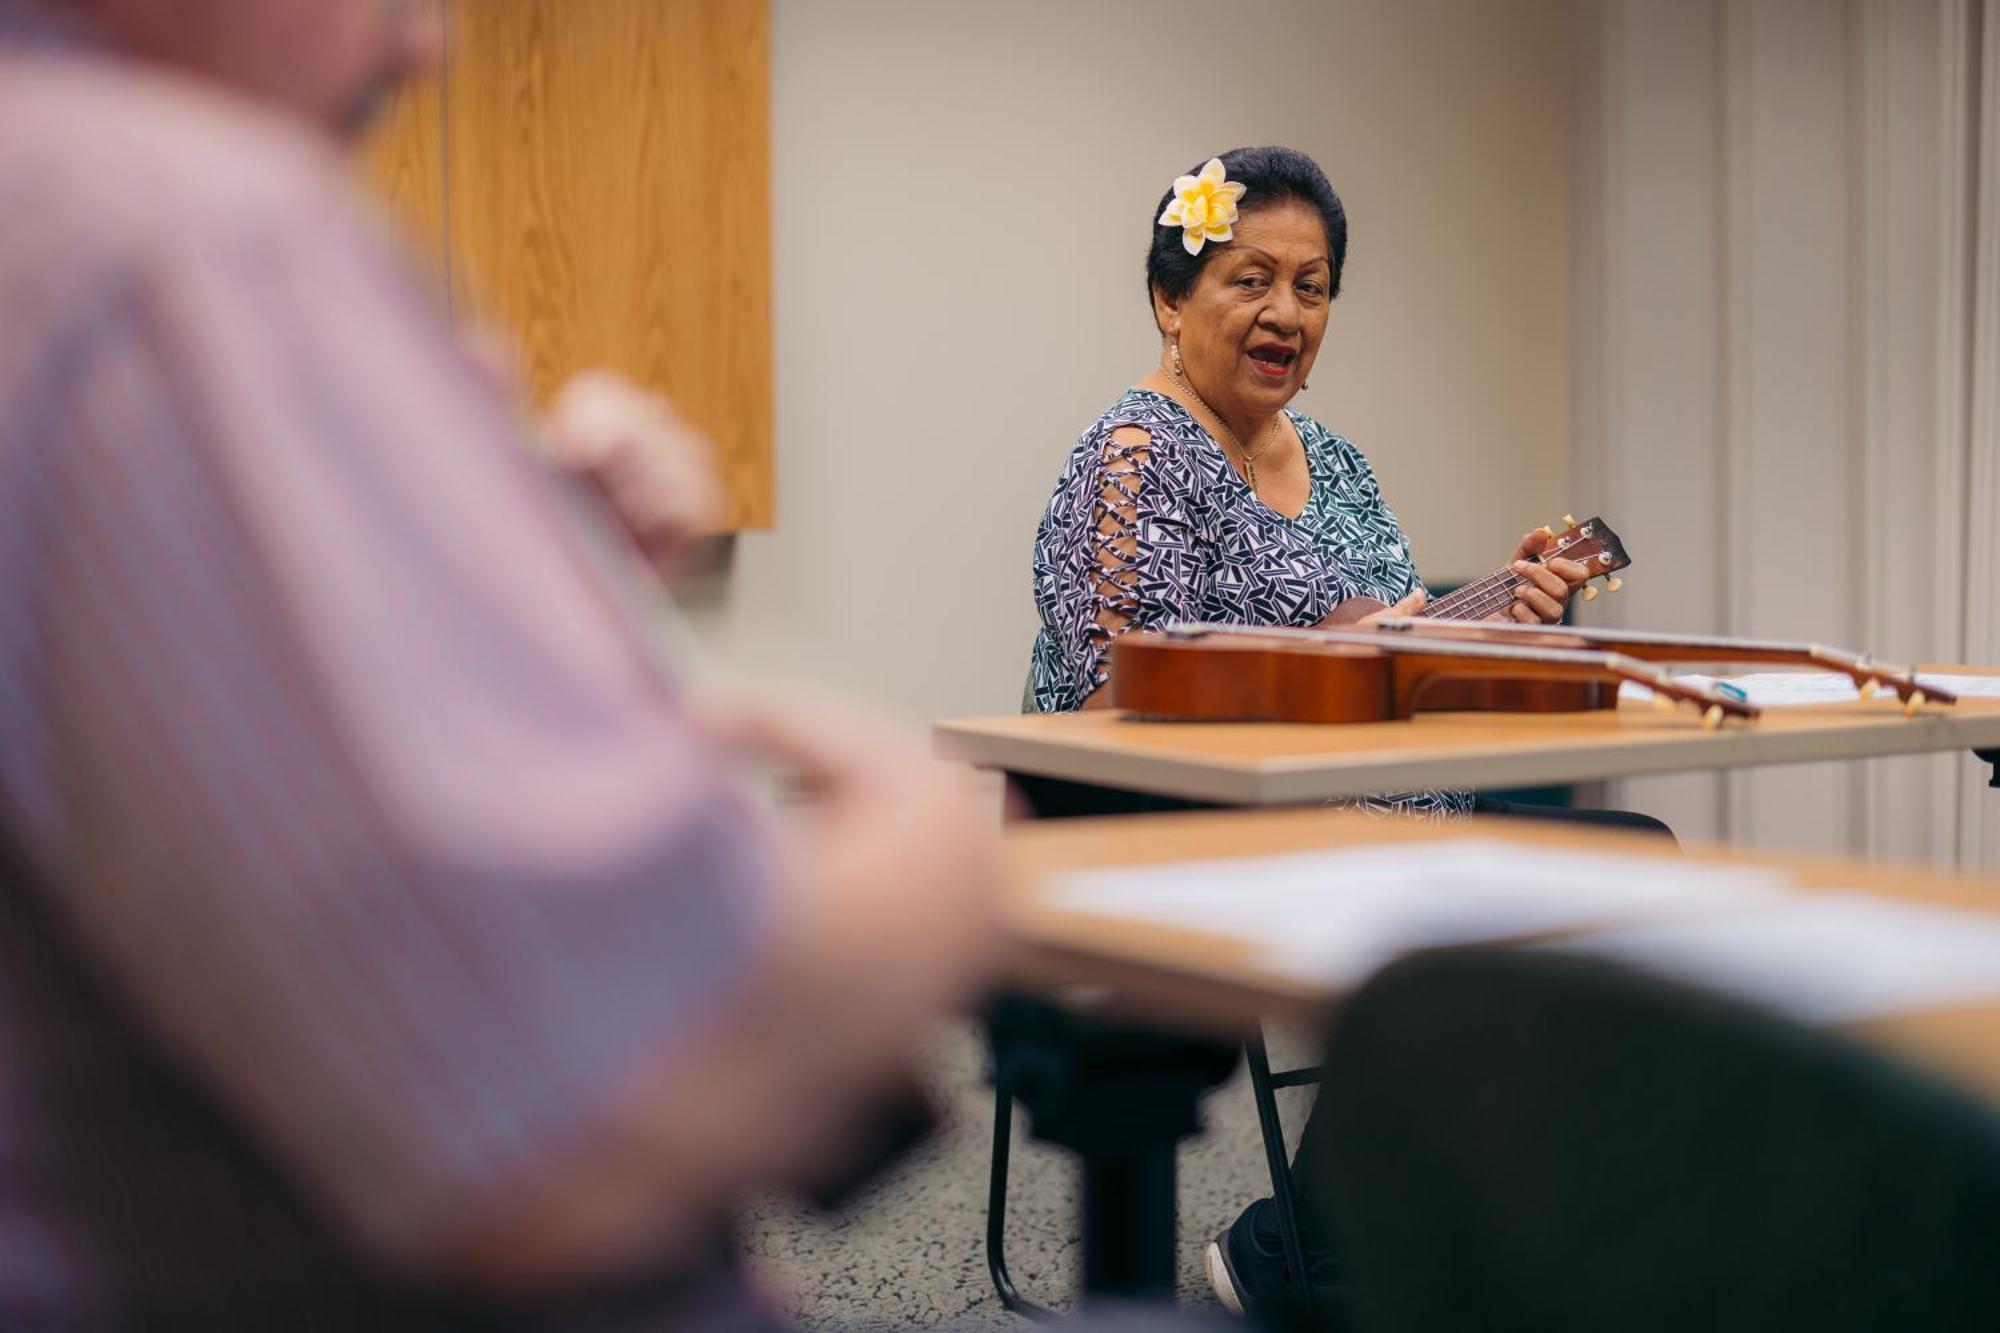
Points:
(1143, 535)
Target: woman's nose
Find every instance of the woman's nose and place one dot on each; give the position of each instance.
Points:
(1281, 312)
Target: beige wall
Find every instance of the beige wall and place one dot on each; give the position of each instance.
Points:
(963, 192)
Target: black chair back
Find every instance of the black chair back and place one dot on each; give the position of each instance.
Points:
(1532, 1141)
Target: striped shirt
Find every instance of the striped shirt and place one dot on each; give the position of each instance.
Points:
(353, 855)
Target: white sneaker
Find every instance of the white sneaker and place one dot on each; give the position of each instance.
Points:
(1221, 1280)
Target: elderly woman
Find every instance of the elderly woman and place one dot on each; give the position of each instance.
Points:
(1199, 495)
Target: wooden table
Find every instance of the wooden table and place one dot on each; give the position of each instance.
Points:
(1102, 762)
(1210, 983)
(1262, 763)
(1157, 978)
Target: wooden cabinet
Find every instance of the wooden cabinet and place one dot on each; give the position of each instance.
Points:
(594, 175)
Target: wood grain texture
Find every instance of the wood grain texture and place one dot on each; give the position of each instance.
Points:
(608, 194)
(1211, 982)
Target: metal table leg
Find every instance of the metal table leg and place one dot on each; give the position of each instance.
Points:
(1122, 1098)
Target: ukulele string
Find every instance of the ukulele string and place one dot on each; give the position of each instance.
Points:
(1858, 667)
(1450, 606)
(1901, 682)
(1656, 678)
(1632, 669)
(1500, 583)
(1489, 593)
(1477, 601)
(1488, 599)
(1495, 599)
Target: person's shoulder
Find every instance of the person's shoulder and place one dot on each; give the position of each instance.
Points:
(116, 161)
(1325, 444)
(1149, 421)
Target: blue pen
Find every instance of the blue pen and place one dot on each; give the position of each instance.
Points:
(1735, 692)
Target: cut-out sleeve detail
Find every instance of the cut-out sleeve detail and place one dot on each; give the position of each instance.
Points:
(1149, 524)
(1119, 552)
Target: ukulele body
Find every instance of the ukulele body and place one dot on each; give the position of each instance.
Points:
(1261, 680)
(1248, 680)
(1283, 676)
(1467, 695)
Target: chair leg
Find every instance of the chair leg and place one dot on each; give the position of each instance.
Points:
(996, 1213)
(1274, 1156)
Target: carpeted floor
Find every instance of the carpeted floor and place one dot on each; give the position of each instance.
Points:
(910, 1253)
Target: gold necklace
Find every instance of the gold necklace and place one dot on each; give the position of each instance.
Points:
(1249, 459)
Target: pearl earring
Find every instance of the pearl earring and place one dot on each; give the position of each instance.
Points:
(1179, 373)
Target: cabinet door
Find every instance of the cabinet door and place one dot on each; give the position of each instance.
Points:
(598, 172)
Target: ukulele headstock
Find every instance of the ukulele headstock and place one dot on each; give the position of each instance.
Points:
(1593, 545)
(1714, 705)
(1872, 678)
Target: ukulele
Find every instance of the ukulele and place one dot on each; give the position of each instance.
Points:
(1592, 544)
(1868, 676)
(1241, 673)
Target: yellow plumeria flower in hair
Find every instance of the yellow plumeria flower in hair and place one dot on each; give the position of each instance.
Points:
(1204, 206)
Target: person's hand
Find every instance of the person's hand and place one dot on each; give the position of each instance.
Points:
(1365, 612)
(656, 470)
(1540, 601)
(882, 912)
(1409, 606)
(888, 869)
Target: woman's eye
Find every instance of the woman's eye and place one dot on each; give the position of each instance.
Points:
(1250, 281)
(1312, 289)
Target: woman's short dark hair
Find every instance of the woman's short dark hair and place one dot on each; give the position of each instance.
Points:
(1270, 175)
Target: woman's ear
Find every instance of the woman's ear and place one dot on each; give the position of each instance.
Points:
(1166, 313)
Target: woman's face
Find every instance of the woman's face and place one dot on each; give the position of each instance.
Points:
(1252, 324)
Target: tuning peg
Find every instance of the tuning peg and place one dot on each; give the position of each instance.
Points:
(1613, 584)
(1550, 529)
(1663, 703)
(1712, 719)
(1868, 688)
(1569, 521)
(1589, 592)
(1913, 703)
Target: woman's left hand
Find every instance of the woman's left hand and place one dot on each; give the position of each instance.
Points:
(1540, 601)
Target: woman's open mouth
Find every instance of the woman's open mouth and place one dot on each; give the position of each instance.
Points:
(1273, 361)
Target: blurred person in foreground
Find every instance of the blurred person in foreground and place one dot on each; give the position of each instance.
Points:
(383, 943)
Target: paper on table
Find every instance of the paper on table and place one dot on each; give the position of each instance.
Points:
(1780, 689)
(1770, 689)
(1832, 958)
(1333, 917)
(1966, 687)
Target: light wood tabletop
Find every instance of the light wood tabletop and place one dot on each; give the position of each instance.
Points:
(1184, 979)
(1264, 763)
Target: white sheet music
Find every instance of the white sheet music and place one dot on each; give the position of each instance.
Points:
(1780, 689)
(1333, 917)
(1820, 958)
(1967, 687)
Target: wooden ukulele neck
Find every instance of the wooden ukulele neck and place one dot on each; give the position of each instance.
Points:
(1591, 544)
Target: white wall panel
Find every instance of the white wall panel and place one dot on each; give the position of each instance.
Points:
(1790, 287)
(1653, 403)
